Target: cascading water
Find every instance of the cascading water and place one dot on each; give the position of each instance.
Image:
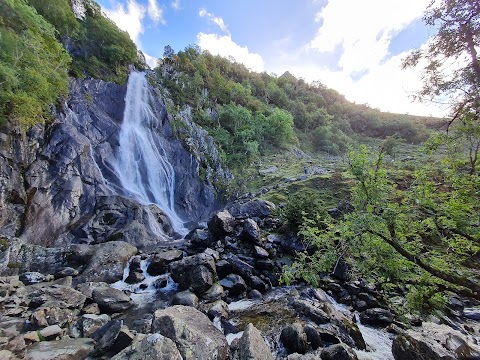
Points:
(142, 165)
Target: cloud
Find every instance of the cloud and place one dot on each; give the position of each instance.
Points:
(155, 12)
(151, 60)
(225, 46)
(175, 4)
(363, 29)
(129, 19)
(214, 19)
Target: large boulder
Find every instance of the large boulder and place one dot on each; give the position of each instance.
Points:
(63, 296)
(434, 342)
(67, 349)
(250, 231)
(376, 317)
(196, 272)
(294, 338)
(252, 346)
(222, 223)
(160, 261)
(255, 208)
(111, 300)
(151, 347)
(104, 262)
(338, 352)
(192, 332)
(234, 284)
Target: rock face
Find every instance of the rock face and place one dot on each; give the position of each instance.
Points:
(434, 342)
(58, 186)
(186, 326)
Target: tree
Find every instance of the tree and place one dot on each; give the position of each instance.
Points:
(456, 40)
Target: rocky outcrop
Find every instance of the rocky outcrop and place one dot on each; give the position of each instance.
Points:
(186, 326)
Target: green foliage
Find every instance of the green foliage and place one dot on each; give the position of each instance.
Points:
(303, 206)
(33, 64)
(99, 48)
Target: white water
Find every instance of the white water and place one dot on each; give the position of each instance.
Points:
(142, 165)
(144, 292)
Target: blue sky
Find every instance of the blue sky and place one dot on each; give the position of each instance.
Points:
(353, 46)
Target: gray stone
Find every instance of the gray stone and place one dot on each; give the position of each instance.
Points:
(30, 278)
(151, 347)
(51, 332)
(252, 346)
(376, 316)
(218, 309)
(106, 335)
(192, 332)
(221, 223)
(214, 293)
(261, 252)
(312, 312)
(197, 272)
(68, 349)
(160, 261)
(186, 298)
(90, 323)
(294, 338)
(338, 352)
(69, 297)
(111, 300)
(250, 231)
(234, 284)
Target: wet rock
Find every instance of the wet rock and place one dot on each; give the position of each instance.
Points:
(185, 326)
(152, 347)
(67, 349)
(341, 270)
(197, 272)
(252, 346)
(338, 352)
(160, 261)
(135, 277)
(376, 316)
(294, 338)
(255, 295)
(216, 292)
(218, 309)
(313, 337)
(257, 284)
(312, 312)
(30, 278)
(186, 298)
(111, 300)
(434, 342)
(221, 224)
(240, 267)
(369, 299)
(250, 231)
(472, 313)
(7, 355)
(105, 262)
(234, 284)
(124, 339)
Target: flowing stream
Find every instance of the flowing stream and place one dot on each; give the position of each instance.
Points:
(142, 166)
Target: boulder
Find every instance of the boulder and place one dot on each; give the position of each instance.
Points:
(252, 346)
(434, 342)
(216, 292)
(186, 298)
(261, 252)
(160, 261)
(250, 231)
(111, 300)
(104, 262)
(313, 336)
(338, 352)
(234, 284)
(51, 332)
(193, 333)
(66, 271)
(221, 224)
(105, 336)
(255, 208)
(151, 347)
(66, 349)
(294, 338)
(197, 272)
(310, 311)
(68, 297)
(90, 323)
(376, 317)
(472, 313)
(218, 309)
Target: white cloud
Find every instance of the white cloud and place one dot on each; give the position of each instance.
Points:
(129, 19)
(175, 4)
(214, 19)
(155, 12)
(363, 29)
(151, 60)
(225, 46)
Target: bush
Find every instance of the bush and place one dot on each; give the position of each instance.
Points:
(304, 204)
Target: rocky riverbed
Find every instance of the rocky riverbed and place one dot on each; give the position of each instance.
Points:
(213, 296)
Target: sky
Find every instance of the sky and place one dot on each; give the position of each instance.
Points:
(353, 46)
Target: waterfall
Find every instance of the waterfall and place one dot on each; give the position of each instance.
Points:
(142, 165)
